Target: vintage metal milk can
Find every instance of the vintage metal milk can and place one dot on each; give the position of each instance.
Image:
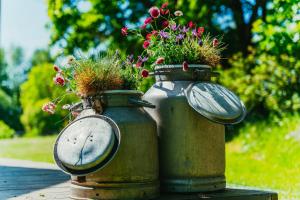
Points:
(190, 114)
(113, 155)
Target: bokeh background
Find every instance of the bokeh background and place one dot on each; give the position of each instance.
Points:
(261, 64)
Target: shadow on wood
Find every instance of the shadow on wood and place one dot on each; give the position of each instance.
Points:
(16, 181)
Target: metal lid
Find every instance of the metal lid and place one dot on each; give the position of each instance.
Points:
(87, 144)
(216, 103)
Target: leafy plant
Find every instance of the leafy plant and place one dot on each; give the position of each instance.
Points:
(5, 131)
(168, 42)
(88, 77)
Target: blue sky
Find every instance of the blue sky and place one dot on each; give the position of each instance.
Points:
(23, 24)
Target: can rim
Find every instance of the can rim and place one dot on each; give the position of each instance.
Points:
(100, 165)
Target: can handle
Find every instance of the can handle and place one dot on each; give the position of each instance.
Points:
(141, 103)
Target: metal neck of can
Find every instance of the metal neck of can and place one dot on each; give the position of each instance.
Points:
(176, 73)
(116, 98)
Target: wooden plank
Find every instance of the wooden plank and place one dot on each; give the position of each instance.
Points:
(43, 181)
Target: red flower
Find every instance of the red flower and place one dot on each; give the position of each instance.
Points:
(146, 44)
(148, 20)
(165, 23)
(154, 12)
(160, 60)
(139, 64)
(185, 66)
(56, 68)
(191, 24)
(148, 36)
(145, 73)
(165, 5)
(215, 42)
(124, 31)
(59, 80)
(154, 32)
(164, 12)
(143, 26)
(200, 30)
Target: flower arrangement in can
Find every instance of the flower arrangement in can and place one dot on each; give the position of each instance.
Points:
(166, 41)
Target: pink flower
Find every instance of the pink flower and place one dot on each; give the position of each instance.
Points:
(165, 23)
(148, 20)
(145, 73)
(160, 60)
(191, 24)
(59, 80)
(215, 42)
(165, 5)
(139, 64)
(154, 32)
(200, 30)
(185, 66)
(154, 12)
(146, 44)
(56, 68)
(49, 107)
(124, 31)
(75, 113)
(143, 26)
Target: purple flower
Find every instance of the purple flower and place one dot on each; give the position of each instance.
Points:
(142, 59)
(163, 34)
(184, 29)
(130, 59)
(179, 37)
(195, 33)
(174, 27)
(200, 42)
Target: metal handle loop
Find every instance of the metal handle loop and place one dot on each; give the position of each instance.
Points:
(141, 103)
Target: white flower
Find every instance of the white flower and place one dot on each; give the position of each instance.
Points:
(178, 13)
(70, 59)
(66, 107)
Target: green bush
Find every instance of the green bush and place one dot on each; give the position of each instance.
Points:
(37, 90)
(5, 131)
(268, 79)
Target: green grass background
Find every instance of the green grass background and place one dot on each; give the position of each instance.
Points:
(264, 155)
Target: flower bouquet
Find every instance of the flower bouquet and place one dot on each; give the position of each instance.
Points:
(165, 41)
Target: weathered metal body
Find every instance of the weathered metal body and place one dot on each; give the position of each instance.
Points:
(191, 147)
(133, 172)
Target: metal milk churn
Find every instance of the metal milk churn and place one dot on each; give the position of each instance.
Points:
(113, 155)
(190, 114)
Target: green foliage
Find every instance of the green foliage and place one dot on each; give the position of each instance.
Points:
(188, 49)
(24, 148)
(107, 71)
(5, 131)
(88, 24)
(40, 56)
(268, 79)
(269, 150)
(35, 92)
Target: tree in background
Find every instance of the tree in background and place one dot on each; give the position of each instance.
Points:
(77, 24)
(268, 80)
(36, 91)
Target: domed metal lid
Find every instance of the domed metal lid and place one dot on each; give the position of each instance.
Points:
(86, 144)
(216, 103)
